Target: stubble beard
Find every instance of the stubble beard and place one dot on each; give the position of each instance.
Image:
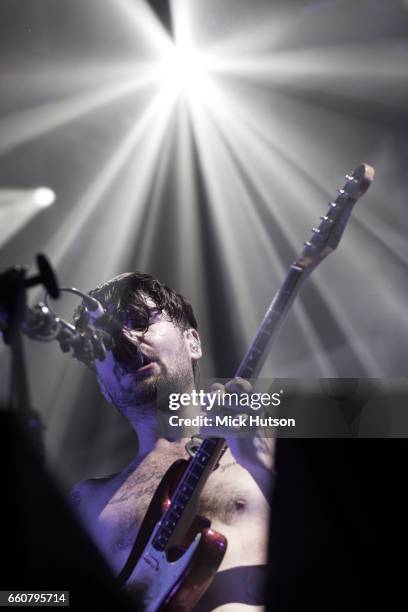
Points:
(154, 390)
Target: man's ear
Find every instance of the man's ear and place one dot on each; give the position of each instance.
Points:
(193, 343)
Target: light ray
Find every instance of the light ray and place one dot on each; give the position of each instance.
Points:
(144, 131)
(57, 77)
(311, 67)
(190, 268)
(243, 224)
(21, 127)
(19, 206)
(254, 38)
(145, 23)
(247, 259)
(243, 141)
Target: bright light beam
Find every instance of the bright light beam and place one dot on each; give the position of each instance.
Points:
(184, 68)
(21, 127)
(146, 133)
(19, 206)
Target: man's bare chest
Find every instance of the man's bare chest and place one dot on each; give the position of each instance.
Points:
(228, 497)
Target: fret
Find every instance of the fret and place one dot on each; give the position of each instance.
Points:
(263, 335)
(180, 499)
(197, 466)
(164, 531)
(246, 372)
(209, 442)
(261, 343)
(281, 300)
(292, 278)
(180, 494)
(159, 542)
(172, 512)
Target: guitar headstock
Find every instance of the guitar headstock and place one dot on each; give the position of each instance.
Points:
(327, 235)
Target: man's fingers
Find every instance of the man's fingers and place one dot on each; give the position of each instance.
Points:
(238, 385)
(216, 397)
(217, 387)
(210, 399)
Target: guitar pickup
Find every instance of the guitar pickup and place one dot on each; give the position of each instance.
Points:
(151, 561)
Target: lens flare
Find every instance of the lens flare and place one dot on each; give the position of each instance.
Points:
(44, 197)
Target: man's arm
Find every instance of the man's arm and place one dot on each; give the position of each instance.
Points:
(252, 451)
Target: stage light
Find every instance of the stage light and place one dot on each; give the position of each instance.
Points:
(44, 197)
(19, 206)
(185, 69)
(182, 68)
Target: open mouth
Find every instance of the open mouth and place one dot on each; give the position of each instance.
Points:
(145, 363)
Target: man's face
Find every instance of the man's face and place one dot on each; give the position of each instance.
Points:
(168, 352)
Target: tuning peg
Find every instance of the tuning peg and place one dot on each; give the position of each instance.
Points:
(326, 218)
(340, 191)
(333, 204)
(350, 177)
(309, 244)
(315, 230)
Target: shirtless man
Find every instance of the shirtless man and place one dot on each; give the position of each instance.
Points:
(161, 324)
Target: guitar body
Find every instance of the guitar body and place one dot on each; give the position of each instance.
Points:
(174, 579)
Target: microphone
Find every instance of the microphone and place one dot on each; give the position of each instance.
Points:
(124, 350)
(94, 308)
(88, 344)
(101, 333)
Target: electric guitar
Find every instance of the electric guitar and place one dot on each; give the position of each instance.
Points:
(176, 553)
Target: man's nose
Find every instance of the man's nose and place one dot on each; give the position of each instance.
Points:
(127, 348)
(133, 335)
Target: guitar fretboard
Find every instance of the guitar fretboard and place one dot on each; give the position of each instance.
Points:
(274, 317)
(192, 481)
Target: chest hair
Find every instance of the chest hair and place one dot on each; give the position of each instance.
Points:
(222, 498)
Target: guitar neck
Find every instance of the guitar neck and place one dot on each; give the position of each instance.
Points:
(190, 486)
(254, 359)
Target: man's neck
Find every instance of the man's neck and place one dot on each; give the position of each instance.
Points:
(147, 428)
(151, 425)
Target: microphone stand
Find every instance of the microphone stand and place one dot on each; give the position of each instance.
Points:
(13, 302)
(40, 322)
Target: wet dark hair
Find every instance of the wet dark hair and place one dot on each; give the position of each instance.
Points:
(124, 298)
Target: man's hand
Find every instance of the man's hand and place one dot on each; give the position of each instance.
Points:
(252, 449)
